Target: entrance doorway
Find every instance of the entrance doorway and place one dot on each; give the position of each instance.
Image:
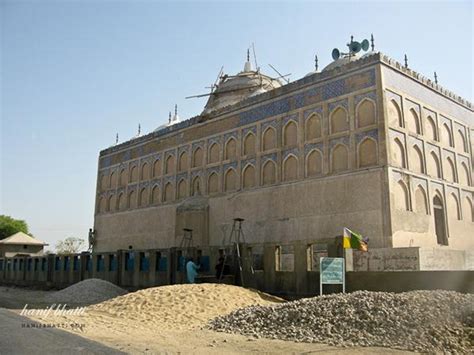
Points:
(439, 219)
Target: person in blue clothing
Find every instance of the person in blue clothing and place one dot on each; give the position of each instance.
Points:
(191, 270)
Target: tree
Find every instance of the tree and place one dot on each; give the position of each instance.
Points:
(69, 245)
(10, 226)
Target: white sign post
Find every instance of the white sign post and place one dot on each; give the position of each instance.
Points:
(332, 272)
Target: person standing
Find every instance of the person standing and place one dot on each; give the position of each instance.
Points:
(191, 271)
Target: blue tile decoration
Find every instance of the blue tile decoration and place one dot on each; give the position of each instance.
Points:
(184, 148)
(213, 140)
(372, 133)
(232, 165)
(120, 190)
(155, 182)
(287, 152)
(246, 162)
(318, 110)
(131, 188)
(144, 184)
(195, 173)
(293, 118)
(169, 153)
(342, 103)
(261, 112)
(156, 157)
(272, 123)
(198, 144)
(252, 129)
(169, 179)
(368, 95)
(181, 176)
(272, 157)
(311, 146)
(309, 96)
(229, 135)
(341, 140)
(334, 89)
(214, 169)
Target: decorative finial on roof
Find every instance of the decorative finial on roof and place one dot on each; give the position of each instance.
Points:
(406, 61)
(316, 62)
(436, 78)
(116, 138)
(169, 118)
(372, 45)
(176, 109)
(248, 54)
(139, 129)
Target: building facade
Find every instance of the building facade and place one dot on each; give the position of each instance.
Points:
(366, 144)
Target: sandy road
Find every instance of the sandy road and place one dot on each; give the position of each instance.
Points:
(17, 339)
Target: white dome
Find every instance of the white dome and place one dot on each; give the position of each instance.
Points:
(342, 61)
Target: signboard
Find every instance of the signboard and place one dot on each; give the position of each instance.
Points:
(331, 271)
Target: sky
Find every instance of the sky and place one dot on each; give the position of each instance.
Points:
(75, 73)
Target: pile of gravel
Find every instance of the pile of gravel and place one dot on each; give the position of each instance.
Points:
(86, 292)
(426, 321)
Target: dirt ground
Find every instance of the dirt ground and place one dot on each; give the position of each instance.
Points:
(134, 337)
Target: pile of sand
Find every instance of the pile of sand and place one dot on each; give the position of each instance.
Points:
(86, 292)
(179, 306)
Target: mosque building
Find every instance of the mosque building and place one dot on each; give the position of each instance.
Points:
(366, 143)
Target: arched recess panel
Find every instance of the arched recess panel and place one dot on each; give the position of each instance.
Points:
(249, 176)
(367, 153)
(132, 200)
(416, 159)
(157, 168)
(121, 202)
(182, 193)
(145, 171)
(433, 166)
(230, 180)
(339, 121)
(446, 135)
(398, 154)
(196, 186)
(112, 203)
(155, 195)
(290, 168)
(365, 113)
(449, 170)
(143, 197)
(269, 173)
(169, 165)
(402, 198)
(453, 207)
(133, 174)
(413, 122)
(183, 161)
(421, 200)
(169, 192)
(468, 210)
(339, 158)
(431, 128)
(464, 175)
(113, 180)
(249, 144)
(313, 127)
(269, 139)
(214, 153)
(213, 184)
(290, 134)
(123, 177)
(197, 157)
(231, 149)
(314, 163)
(394, 114)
